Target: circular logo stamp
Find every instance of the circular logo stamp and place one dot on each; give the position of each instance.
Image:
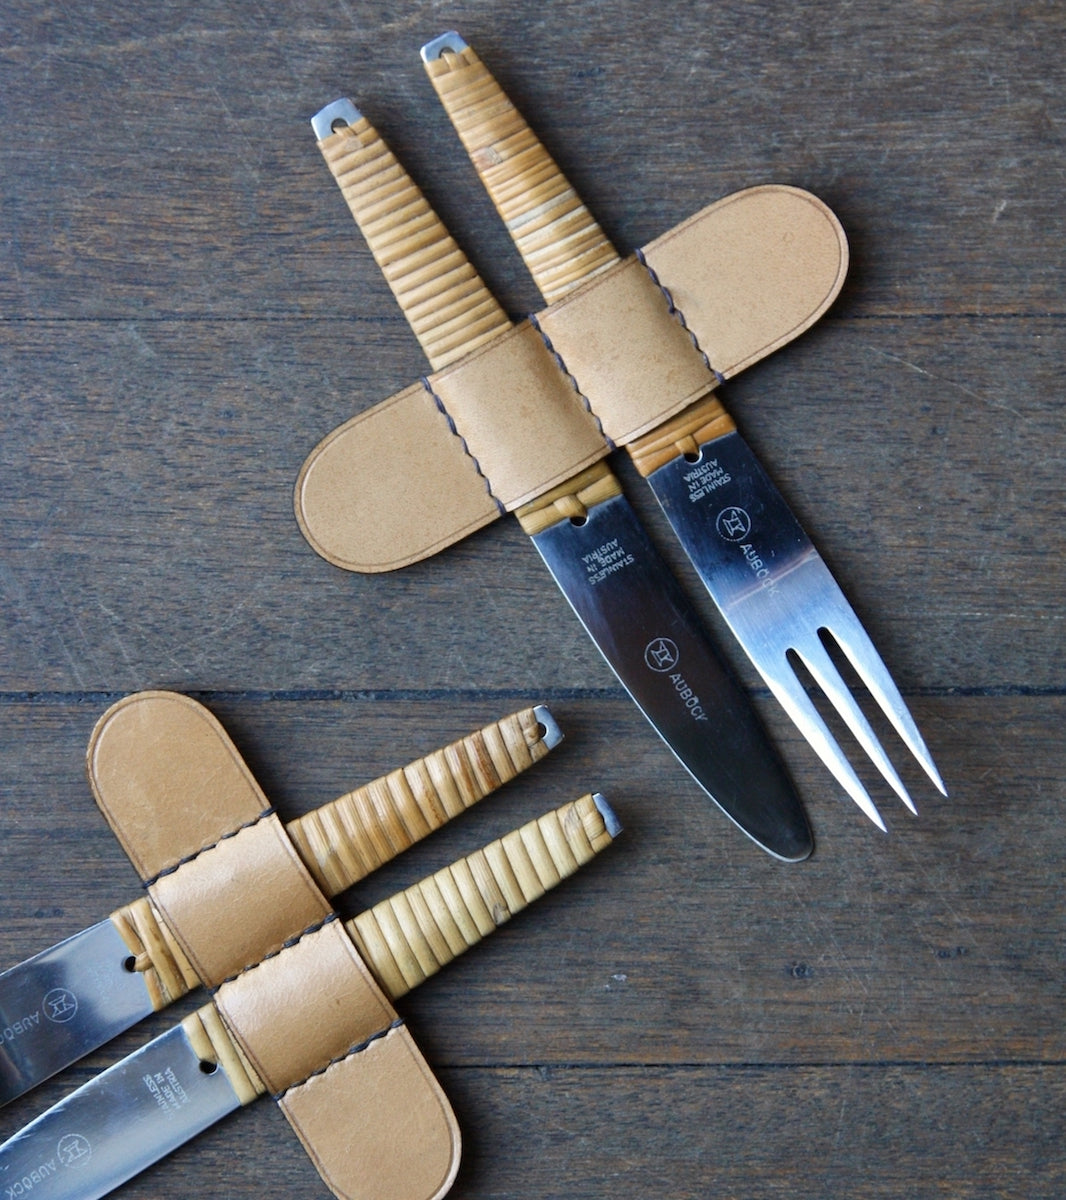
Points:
(74, 1150)
(661, 654)
(59, 1005)
(733, 524)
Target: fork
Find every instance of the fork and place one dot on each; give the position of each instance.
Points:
(778, 597)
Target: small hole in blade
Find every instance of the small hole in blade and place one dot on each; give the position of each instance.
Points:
(208, 1068)
(338, 124)
(579, 521)
(693, 456)
(129, 964)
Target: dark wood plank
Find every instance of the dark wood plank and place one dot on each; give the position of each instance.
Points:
(149, 535)
(185, 309)
(170, 159)
(927, 944)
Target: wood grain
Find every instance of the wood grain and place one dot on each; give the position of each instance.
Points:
(186, 308)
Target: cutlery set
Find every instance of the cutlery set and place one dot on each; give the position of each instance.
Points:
(510, 418)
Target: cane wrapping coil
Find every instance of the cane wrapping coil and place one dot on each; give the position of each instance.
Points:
(555, 233)
(167, 972)
(346, 840)
(449, 308)
(410, 936)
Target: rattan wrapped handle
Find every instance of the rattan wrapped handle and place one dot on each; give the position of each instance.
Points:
(557, 236)
(345, 840)
(449, 308)
(409, 937)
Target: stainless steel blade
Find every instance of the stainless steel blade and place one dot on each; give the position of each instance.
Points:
(64, 1002)
(646, 629)
(778, 597)
(116, 1125)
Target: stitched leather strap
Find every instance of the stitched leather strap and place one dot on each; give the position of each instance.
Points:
(311, 1026)
(177, 936)
(402, 940)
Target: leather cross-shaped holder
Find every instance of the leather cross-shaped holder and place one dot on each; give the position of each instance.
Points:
(525, 410)
(302, 1001)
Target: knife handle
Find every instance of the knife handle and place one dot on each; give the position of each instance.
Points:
(558, 238)
(346, 840)
(409, 937)
(449, 308)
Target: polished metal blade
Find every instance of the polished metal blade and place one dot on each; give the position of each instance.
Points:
(64, 1002)
(646, 629)
(778, 597)
(117, 1124)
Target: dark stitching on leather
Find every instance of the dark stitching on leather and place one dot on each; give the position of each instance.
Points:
(269, 812)
(462, 442)
(286, 945)
(349, 1053)
(675, 312)
(561, 364)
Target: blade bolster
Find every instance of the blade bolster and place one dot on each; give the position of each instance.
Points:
(571, 500)
(167, 972)
(703, 422)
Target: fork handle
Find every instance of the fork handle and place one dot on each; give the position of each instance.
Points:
(409, 937)
(558, 238)
(449, 308)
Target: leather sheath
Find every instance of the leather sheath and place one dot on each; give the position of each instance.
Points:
(632, 347)
(291, 986)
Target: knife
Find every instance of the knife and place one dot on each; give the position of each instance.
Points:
(766, 578)
(585, 530)
(66, 1001)
(180, 1083)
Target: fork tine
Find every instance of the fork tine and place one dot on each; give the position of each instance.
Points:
(863, 656)
(790, 694)
(813, 655)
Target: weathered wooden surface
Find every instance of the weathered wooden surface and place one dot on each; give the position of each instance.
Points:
(186, 308)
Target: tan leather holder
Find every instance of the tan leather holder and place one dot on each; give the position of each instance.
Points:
(222, 875)
(618, 357)
(292, 989)
(327, 1043)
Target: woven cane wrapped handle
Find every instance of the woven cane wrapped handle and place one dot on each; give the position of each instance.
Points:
(557, 236)
(409, 937)
(555, 233)
(346, 840)
(448, 306)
